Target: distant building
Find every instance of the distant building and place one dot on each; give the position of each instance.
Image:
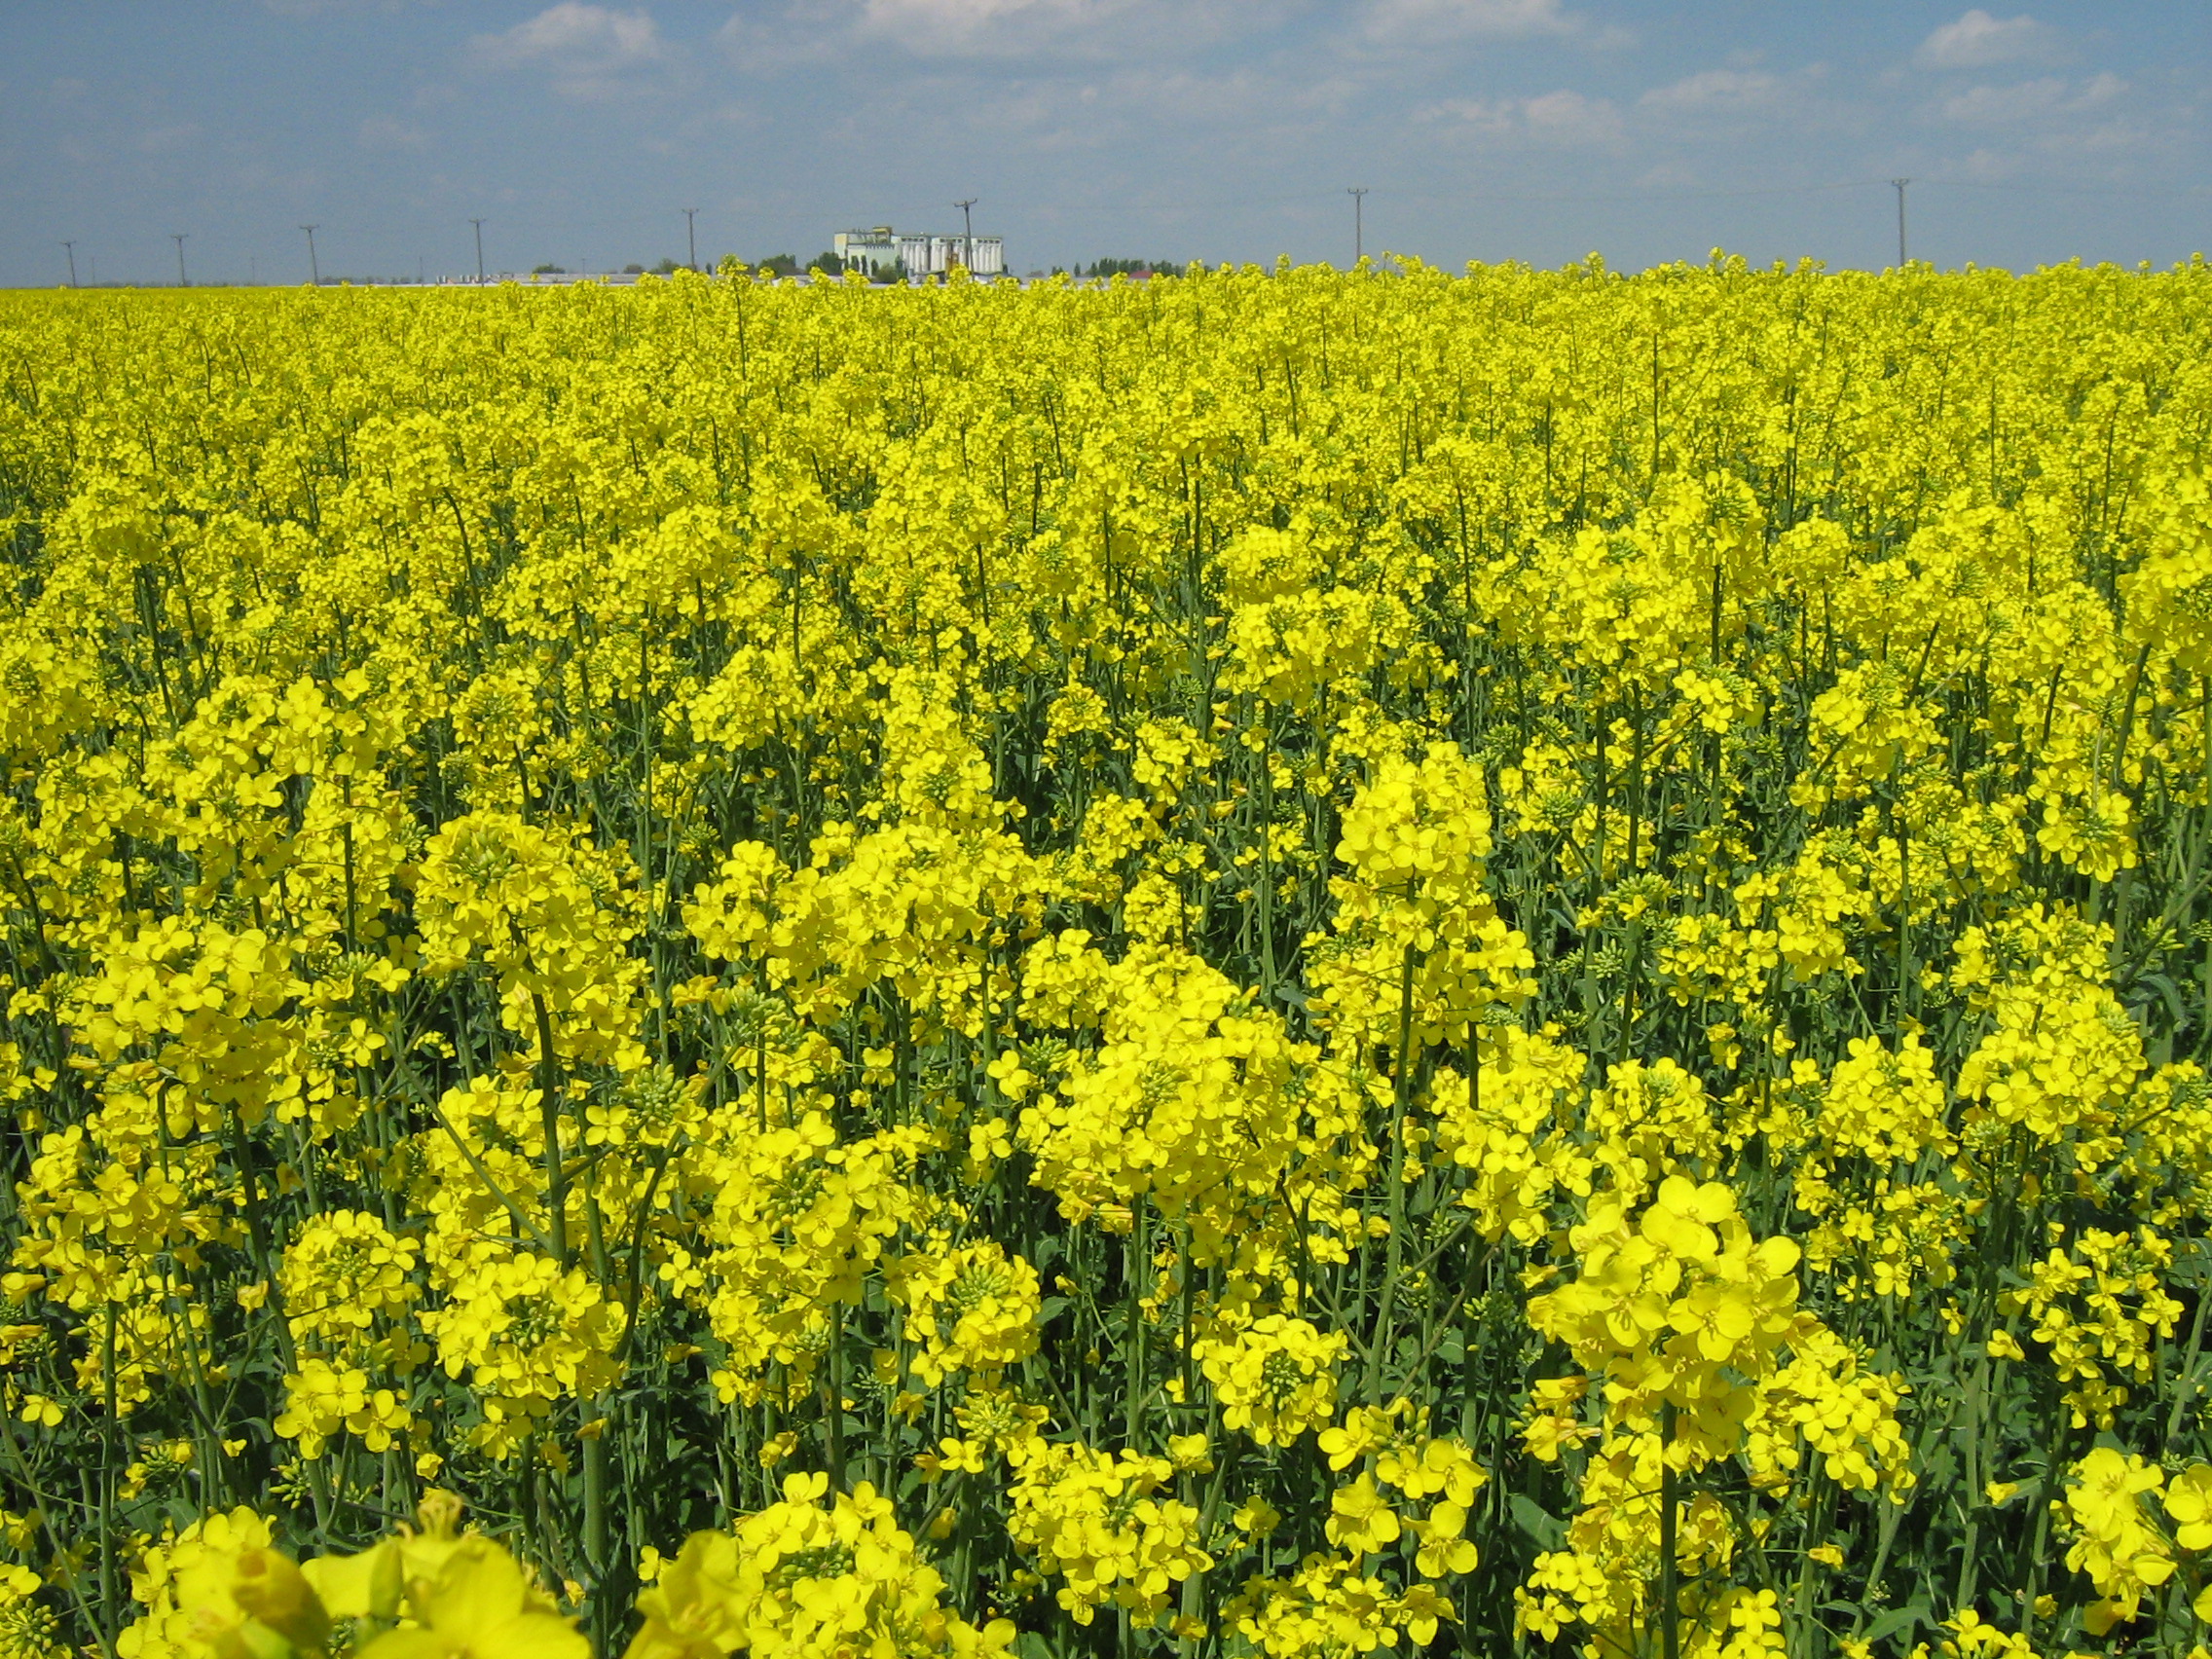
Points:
(876, 250)
(866, 252)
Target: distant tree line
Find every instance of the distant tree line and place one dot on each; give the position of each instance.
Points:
(784, 265)
(1131, 268)
(830, 264)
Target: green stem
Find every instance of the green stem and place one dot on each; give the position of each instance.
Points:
(550, 1108)
(1379, 1342)
(1670, 1589)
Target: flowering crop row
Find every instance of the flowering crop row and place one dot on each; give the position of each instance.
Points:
(1273, 964)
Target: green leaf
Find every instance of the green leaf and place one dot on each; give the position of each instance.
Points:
(1905, 1618)
(1545, 1527)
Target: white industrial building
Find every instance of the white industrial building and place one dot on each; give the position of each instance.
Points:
(921, 254)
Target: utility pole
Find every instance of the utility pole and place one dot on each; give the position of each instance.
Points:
(314, 266)
(967, 234)
(72, 248)
(1901, 183)
(479, 224)
(691, 234)
(177, 236)
(1358, 194)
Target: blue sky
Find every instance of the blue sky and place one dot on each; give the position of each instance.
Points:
(1219, 130)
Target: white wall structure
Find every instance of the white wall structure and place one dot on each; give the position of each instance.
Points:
(984, 256)
(923, 253)
(866, 252)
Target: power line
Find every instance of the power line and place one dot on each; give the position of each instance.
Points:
(1448, 196)
(1608, 195)
(1187, 206)
(1048, 212)
(1544, 196)
(966, 234)
(2180, 193)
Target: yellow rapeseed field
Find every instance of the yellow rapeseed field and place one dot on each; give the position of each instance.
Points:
(1268, 966)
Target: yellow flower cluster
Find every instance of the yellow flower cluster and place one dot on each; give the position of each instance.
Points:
(801, 1581)
(1097, 1522)
(1276, 1378)
(222, 1590)
(2117, 1543)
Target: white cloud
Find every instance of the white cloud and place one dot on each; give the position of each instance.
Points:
(1153, 31)
(1570, 118)
(1563, 119)
(1987, 106)
(965, 16)
(572, 30)
(1716, 91)
(767, 45)
(1058, 113)
(1427, 23)
(2088, 151)
(2100, 89)
(2103, 141)
(2038, 100)
(384, 133)
(1979, 40)
(1240, 98)
(320, 7)
(988, 26)
(160, 140)
(589, 51)
(811, 31)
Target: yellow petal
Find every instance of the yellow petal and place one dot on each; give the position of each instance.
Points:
(534, 1636)
(409, 1644)
(364, 1586)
